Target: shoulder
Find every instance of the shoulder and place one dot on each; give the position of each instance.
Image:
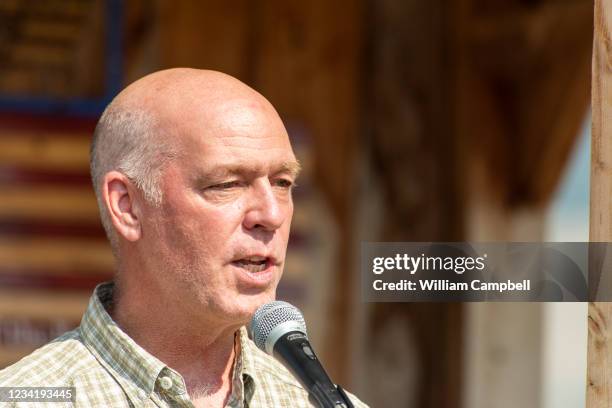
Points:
(63, 362)
(49, 364)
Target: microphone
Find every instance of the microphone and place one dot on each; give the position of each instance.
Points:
(278, 328)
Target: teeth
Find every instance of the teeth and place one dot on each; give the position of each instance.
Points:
(252, 266)
(256, 258)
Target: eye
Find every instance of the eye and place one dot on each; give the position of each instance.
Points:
(225, 185)
(284, 183)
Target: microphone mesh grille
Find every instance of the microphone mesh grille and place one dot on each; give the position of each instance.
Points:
(270, 315)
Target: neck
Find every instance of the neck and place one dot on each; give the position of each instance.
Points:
(203, 355)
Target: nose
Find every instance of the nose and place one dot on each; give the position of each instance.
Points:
(265, 209)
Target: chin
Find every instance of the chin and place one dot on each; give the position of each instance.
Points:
(248, 304)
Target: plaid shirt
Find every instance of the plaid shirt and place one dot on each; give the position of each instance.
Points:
(108, 369)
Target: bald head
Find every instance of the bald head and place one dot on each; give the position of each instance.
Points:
(144, 126)
(176, 94)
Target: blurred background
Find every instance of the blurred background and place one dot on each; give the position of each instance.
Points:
(442, 120)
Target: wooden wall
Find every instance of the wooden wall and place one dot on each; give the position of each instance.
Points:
(52, 248)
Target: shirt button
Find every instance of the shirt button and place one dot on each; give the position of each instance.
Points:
(165, 383)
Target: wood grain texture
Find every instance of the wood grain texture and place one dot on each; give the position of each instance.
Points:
(599, 358)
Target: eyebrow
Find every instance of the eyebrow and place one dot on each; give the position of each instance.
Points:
(292, 168)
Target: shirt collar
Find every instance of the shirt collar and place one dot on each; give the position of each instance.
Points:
(247, 354)
(133, 367)
(247, 364)
(126, 360)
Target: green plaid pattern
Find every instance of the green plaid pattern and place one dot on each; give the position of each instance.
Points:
(108, 369)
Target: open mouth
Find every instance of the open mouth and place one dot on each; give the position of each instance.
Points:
(253, 264)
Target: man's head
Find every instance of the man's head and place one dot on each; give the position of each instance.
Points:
(193, 173)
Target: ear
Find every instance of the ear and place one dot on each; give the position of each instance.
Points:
(121, 200)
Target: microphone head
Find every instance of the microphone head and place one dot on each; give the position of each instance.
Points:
(273, 320)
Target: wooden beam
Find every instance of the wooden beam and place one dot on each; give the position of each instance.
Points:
(409, 78)
(599, 355)
(527, 71)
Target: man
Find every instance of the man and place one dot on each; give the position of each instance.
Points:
(193, 172)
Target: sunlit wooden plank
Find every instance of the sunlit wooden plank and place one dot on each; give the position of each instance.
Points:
(599, 355)
(55, 256)
(48, 203)
(41, 304)
(44, 151)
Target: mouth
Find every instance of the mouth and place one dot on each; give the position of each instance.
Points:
(255, 263)
(256, 271)
(252, 264)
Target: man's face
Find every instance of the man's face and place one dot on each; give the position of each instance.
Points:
(217, 243)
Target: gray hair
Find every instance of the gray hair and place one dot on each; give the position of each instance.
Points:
(127, 141)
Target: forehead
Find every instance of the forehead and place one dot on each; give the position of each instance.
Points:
(243, 133)
(241, 116)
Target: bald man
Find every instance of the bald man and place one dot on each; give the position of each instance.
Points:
(193, 172)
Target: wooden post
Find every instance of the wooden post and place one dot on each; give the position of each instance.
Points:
(599, 357)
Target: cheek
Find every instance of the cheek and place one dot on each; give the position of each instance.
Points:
(221, 220)
(203, 227)
(288, 218)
